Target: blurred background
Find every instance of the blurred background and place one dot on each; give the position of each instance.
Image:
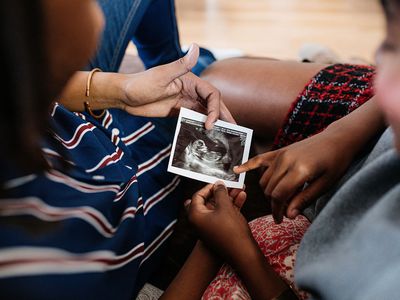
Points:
(352, 29)
(278, 28)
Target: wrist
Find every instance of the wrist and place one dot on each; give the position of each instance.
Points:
(237, 250)
(107, 90)
(133, 90)
(352, 139)
(359, 127)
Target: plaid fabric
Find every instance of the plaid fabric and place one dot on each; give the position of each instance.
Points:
(333, 93)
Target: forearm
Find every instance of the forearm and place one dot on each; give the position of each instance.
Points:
(359, 127)
(195, 275)
(261, 280)
(106, 91)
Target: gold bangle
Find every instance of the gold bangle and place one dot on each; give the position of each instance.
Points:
(87, 94)
(89, 80)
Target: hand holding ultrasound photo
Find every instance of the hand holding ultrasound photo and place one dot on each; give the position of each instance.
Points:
(209, 155)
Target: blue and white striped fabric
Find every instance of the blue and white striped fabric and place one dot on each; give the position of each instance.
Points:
(93, 230)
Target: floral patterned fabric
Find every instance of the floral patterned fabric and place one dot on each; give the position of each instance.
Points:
(278, 242)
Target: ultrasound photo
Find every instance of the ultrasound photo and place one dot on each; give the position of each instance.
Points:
(209, 155)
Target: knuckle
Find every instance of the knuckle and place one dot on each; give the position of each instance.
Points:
(182, 62)
(275, 202)
(219, 189)
(303, 200)
(303, 203)
(211, 111)
(304, 170)
(285, 158)
(258, 160)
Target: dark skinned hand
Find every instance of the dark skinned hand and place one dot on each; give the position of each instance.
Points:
(215, 213)
(298, 174)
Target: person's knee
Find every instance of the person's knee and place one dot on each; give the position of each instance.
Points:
(220, 71)
(219, 68)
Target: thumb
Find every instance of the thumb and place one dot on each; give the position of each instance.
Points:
(199, 199)
(221, 195)
(191, 56)
(184, 64)
(306, 196)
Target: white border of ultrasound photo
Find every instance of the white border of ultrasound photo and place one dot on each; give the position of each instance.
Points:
(189, 114)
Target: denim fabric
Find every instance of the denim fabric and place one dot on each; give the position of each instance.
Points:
(151, 25)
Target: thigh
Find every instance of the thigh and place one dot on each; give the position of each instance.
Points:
(157, 36)
(122, 20)
(259, 92)
(150, 24)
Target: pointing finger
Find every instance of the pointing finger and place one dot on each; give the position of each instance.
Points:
(255, 162)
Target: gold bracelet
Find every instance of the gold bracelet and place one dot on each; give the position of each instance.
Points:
(87, 94)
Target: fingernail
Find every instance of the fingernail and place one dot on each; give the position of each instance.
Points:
(294, 213)
(277, 219)
(219, 183)
(209, 126)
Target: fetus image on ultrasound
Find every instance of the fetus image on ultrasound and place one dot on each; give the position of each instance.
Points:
(210, 152)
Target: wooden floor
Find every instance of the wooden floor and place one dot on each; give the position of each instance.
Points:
(278, 28)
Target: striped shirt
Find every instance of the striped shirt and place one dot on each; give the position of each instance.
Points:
(95, 228)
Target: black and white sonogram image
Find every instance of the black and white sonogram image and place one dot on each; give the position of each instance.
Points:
(210, 152)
